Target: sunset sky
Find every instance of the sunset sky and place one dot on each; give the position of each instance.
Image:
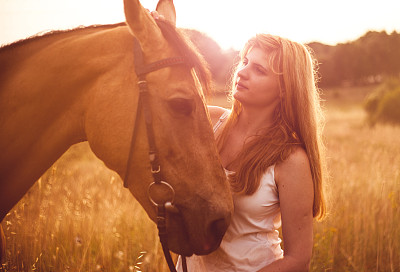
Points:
(229, 22)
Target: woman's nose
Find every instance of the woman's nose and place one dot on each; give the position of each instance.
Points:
(242, 72)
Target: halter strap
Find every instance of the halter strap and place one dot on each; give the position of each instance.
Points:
(142, 70)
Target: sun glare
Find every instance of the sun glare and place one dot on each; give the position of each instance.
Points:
(229, 23)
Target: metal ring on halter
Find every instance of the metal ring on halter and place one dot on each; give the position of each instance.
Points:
(165, 184)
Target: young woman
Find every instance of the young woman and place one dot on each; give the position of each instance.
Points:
(270, 145)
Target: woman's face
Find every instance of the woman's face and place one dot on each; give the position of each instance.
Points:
(256, 84)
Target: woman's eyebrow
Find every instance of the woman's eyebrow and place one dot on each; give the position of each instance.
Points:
(257, 65)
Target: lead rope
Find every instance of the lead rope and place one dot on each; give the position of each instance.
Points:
(184, 265)
(141, 71)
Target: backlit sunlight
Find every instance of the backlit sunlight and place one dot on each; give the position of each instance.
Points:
(230, 23)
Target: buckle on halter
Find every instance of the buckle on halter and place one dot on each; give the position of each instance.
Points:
(158, 170)
(142, 85)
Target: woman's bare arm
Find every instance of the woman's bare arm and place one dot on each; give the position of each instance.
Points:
(295, 186)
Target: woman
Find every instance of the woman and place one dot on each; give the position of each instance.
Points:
(270, 145)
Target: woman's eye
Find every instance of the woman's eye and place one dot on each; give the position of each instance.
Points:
(181, 105)
(260, 71)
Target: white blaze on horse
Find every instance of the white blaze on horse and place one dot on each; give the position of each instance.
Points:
(80, 85)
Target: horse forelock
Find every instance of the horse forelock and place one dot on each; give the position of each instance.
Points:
(181, 42)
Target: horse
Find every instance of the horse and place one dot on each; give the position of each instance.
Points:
(66, 87)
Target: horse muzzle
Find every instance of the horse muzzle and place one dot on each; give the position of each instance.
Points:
(201, 237)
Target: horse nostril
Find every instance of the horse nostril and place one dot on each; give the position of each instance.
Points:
(218, 228)
(216, 232)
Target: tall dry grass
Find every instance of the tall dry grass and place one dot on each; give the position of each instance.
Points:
(78, 216)
(362, 232)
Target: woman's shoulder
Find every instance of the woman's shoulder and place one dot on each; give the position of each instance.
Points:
(216, 112)
(294, 167)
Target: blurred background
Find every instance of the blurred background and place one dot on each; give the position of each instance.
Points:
(78, 216)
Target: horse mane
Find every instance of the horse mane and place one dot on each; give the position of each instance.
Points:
(46, 34)
(176, 38)
(182, 43)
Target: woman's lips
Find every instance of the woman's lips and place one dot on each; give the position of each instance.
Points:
(240, 86)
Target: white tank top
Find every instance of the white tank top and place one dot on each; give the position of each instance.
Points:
(252, 239)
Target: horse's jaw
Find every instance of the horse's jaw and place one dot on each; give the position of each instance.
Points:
(190, 230)
(181, 243)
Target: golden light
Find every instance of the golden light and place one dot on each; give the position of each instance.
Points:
(230, 23)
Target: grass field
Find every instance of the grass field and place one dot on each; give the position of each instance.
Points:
(78, 216)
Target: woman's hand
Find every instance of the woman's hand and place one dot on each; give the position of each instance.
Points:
(156, 15)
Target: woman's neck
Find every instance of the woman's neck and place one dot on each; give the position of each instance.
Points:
(253, 121)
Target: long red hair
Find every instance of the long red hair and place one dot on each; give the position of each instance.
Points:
(298, 119)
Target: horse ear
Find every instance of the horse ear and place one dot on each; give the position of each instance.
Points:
(167, 9)
(142, 25)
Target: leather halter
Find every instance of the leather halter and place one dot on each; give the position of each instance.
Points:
(142, 70)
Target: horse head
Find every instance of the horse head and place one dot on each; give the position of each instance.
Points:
(182, 134)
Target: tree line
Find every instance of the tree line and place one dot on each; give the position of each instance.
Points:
(369, 59)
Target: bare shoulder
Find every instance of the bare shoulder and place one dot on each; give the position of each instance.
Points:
(295, 167)
(295, 186)
(215, 113)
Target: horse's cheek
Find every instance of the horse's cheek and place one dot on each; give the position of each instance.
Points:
(107, 129)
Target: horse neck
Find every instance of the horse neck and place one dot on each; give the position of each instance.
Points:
(45, 87)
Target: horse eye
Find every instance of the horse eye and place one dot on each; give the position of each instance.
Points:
(181, 105)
